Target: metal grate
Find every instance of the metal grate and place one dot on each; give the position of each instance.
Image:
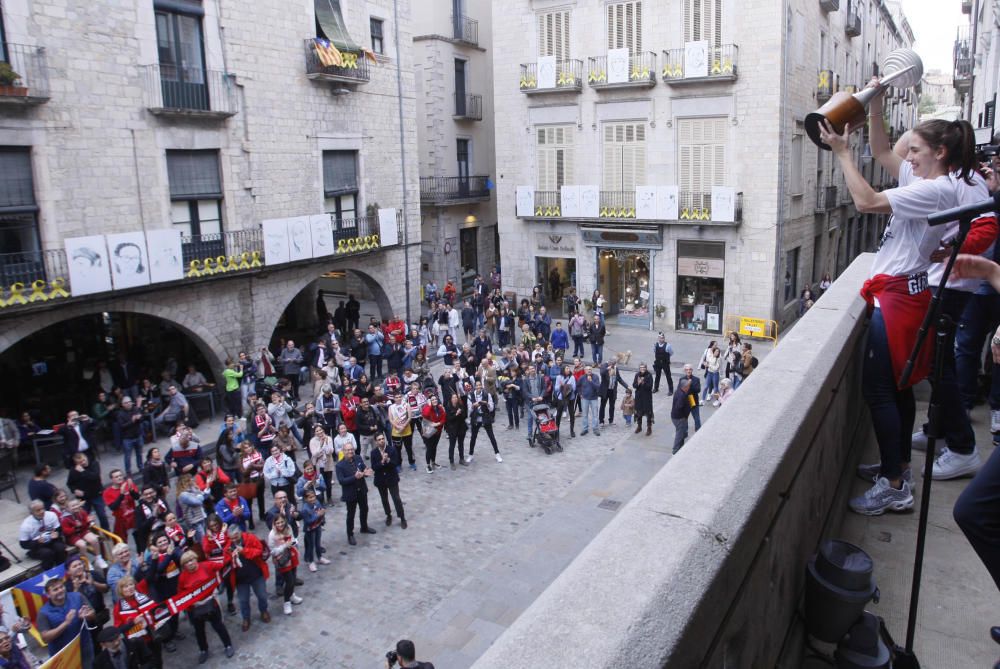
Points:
(609, 504)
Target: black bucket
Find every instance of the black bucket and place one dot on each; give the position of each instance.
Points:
(839, 583)
(862, 648)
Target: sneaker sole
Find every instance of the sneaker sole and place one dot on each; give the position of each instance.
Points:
(896, 507)
(965, 472)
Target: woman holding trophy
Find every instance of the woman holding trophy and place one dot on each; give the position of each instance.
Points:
(898, 292)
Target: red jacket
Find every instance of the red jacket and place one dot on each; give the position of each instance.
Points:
(123, 506)
(200, 479)
(253, 550)
(75, 525)
(189, 580)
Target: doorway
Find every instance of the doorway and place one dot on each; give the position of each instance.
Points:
(556, 276)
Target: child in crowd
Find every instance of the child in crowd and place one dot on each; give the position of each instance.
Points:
(628, 407)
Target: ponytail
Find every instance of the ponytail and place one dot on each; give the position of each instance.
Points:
(958, 140)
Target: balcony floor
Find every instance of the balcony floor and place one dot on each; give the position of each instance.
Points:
(958, 599)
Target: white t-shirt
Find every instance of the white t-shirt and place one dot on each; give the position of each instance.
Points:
(908, 241)
(967, 195)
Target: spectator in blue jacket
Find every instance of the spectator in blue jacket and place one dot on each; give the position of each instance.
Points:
(589, 388)
(375, 341)
(543, 324)
(560, 340)
(233, 509)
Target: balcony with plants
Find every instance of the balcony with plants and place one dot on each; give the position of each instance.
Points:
(24, 75)
(563, 76)
(639, 71)
(695, 64)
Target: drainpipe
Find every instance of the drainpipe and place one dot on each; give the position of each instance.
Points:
(973, 47)
(779, 241)
(402, 158)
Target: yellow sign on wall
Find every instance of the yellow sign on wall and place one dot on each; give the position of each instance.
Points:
(753, 327)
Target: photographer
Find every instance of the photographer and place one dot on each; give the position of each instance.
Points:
(405, 654)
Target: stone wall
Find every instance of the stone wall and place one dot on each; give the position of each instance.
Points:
(705, 566)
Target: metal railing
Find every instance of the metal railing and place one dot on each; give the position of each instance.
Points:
(38, 276)
(853, 26)
(826, 198)
(693, 206)
(354, 67)
(827, 84)
(548, 203)
(829, 5)
(438, 190)
(722, 64)
(169, 88)
(641, 71)
(33, 73)
(963, 57)
(621, 205)
(568, 76)
(617, 204)
(469, 107)
(466, 29)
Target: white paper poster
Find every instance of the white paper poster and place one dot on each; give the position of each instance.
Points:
(546, 72)
(666, 203)
(321, 234)
(275, 241)
(129, 260)
(723, 204)
(590, 201)
(165, 255)
(617, 66)
(645, 202)
(696, 59)
(299, 238)
(525, 201)
(570, 196)
(388, 232)
(88, 265)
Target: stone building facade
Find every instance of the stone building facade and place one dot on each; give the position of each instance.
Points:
(209, 117)
(454, 93)
(705, 115)
(976, 61)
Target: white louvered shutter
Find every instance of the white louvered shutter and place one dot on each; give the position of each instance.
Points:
(703, 21)
(701, 156)
(553, 34)
(624, 156)
(624, 25)
(555, 157)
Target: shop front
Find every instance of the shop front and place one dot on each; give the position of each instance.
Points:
(701, 269)
(625, 271)
(555, 268)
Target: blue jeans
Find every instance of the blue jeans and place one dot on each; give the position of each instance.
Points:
(979, 320)
(130, 446)
(680, 432)
(259, 588)
(711, 385)
(375, 366)
(314, 545)
(597, 352)
(589, 413)
(696, 414)
(893, 411)
(977, 512)
(577, 346)
(97, 506)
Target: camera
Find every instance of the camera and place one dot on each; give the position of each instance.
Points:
(392, 657)
(986, 151)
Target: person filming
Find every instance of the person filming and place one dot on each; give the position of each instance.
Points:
(406, 655)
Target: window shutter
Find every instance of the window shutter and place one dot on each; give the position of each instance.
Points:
(194, 175)
(16, 187)
(624, 24)
(703, 21)
(624, 156)
(553, 34)
(340, 172)
(554, 157)
(702, 154)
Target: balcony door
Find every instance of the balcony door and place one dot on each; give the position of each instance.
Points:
(182, 62)
(463, 166)
(460, 109)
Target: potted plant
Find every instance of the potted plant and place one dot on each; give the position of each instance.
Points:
(9, 80)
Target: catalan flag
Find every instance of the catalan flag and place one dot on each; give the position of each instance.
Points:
(327, 53)
(29, 595)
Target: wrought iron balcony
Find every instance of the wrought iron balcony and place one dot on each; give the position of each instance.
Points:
(568, 78)
(853, 25)
(466, 30)
(32, 278)
(30, 74)
(721, 66)
(177, 91)
(620, 205)
(966, 6)
(826, 199)
(324, 63)
(443, 191)
(829, 5)
(469, 107)
(641, 72)
(827, 84)
(963, 58)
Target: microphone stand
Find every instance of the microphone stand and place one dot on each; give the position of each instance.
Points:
(944, 329)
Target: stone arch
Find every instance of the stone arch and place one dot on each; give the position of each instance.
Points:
(206, 341)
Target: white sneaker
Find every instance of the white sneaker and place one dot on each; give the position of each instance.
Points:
(323, 560)
(100, 562)
(952, 465)
(499, 459)
(995, 421)
(313, 567)
(287, 608)
(429, 470)
(918, 441)
(295, 599)
(468, 460)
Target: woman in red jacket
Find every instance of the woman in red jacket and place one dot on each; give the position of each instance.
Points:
(215, 546)
(434, 418)
(194, 577)
(249, 572)
(128, 616)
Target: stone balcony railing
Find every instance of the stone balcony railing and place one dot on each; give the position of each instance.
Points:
(32, 278)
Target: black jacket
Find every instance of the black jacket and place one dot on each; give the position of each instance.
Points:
(385, 473)
(129, 428)
(351, 488)
(88, 481)
(368, 422)
(71, 440)
(609, 389)
(137, 654)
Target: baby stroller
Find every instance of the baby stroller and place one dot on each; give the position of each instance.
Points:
(546, 432)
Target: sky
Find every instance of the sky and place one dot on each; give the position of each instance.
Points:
(934, 23)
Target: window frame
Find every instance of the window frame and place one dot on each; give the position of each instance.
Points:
(195, 200)
(377, 46)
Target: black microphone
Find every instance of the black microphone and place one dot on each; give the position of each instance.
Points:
(969, 211)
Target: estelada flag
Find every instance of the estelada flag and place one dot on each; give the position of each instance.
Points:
(68, 657)
(29, 596)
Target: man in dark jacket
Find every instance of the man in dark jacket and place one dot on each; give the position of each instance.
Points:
(482, 345)
(610, 380)
(351, 474)
(680, 411)
(129, 419)
(385, 459)
(661, 363)
(369, 426)
(118, 653)
(353, 312)
(696, 393)
(595, 335)
(78, 436)
(468, 320)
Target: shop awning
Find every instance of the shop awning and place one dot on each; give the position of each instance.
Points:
(331, 22)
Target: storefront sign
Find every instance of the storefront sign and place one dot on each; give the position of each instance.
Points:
(561, 245)
(713, 268)
(628, 238)
(752, 327)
